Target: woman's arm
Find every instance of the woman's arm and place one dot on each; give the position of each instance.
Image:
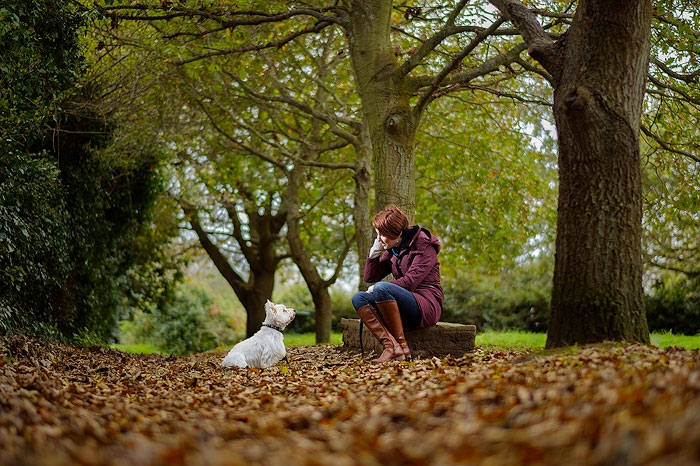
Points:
(422, 264)
(377, 268)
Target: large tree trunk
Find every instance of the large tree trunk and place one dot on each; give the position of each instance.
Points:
(597, 291)
(598, 72)
(386, 103)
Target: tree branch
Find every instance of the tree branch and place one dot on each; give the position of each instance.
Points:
(541, 47)
(688, 273)
(427, 95)
(220, 261)
(460, 80)
(224, 20)
(434, 41)
(687, 78)
(674, 89)
(255, 48)
(667, 146)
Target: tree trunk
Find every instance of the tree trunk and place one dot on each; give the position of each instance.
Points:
(386, 104)
(597, 291)
(598, 69)
(364, 233)
(317, 286)
(254, 292)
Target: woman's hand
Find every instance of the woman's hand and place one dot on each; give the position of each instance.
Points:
(377, 249)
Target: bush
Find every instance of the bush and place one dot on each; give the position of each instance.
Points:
(517, 299)
(34, 244)
(673, 304)
(188, 323)
(69, 217)
(297, 296)
(342, 307)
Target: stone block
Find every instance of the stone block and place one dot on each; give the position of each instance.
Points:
(439, 340)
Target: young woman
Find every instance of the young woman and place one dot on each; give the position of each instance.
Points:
(414, 298)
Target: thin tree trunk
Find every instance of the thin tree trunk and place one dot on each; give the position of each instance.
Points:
(315, 283)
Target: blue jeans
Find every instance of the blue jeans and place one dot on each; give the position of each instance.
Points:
(385, 291)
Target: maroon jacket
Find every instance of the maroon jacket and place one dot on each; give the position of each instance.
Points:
(416, 269)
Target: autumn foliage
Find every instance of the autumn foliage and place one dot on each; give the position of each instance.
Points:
(597, 405)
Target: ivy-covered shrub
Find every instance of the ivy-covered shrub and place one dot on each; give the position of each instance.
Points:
(34, 243)
(72, 220)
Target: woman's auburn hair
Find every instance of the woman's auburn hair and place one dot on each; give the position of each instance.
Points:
(391, 222)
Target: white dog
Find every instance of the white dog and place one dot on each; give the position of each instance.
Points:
(266, 346)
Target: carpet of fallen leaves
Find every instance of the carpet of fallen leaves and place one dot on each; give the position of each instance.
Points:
(597, 405)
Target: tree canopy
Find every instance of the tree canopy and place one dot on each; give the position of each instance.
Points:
(402, 59)
(308, 117)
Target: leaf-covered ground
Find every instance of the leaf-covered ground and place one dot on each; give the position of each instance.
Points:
(600, 405)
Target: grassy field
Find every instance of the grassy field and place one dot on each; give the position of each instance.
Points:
(666, 339)
(488, 338)
(516, 339)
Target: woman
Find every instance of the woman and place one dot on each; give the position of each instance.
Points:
(414, 298)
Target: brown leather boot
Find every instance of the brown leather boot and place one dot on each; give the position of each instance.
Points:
(392, 317)
(392, 350)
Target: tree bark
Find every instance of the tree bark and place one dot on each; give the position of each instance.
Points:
(597, 292)
(315, 283)
(257, 289)
(598, 71)
(386, 104)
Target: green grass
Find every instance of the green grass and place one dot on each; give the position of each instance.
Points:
(518, 339)
(484, 339)
(309, 339)
(290, 340)
(138, 348)
(511, 339)
(666, 339)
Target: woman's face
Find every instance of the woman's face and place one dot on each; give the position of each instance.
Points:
(388, 242)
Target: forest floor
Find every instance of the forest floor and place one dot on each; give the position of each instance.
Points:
(594, 405)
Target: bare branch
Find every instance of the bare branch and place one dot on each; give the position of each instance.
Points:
(321, 116)
(254, 48)
(687, 78)
(434, 41)
(225, 20)
(688, 273)
(667, 146)
(460, 80)
(426, 97)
